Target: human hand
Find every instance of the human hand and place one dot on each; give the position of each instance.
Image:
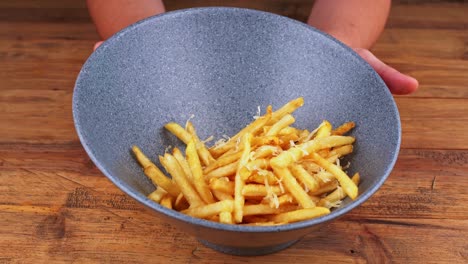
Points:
(397, 82)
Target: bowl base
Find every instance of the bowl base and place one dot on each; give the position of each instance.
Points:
(248, 251)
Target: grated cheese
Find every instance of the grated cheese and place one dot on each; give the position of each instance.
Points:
(259, 112)
(188, 120)
(210, 138)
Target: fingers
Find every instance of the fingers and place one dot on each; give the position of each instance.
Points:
(97, 45)
(397, 82)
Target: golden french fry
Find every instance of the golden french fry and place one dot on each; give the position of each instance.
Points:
(265, 151)
(337, 195)
(286, 158)
(265, 209)
(326, 188)
(166, 201)
(341, 151)
(346, 183)
(250, 190)
(258, 164)
(260, 176)
(197, 173)
(206, 211)
(222, 161)
(224, 171)
(323, 177)
(156, 176)
(157, 195)
(221, 196)
(283, 199)
(304, 177)
(289, 131)
(293, 187)
(343, 129)
(239, 199)
(183, 163)
(300, 215)
(222, 185)
(288, 108)
(252, 128)
(203, 153)
(324, 130)
(285, 121)
(225, 218)
(264, 140)
(173, 167)
(178, 131)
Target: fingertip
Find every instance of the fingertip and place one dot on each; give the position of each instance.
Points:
(402, 84)
(97, 45)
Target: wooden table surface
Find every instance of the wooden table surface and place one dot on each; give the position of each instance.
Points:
(55, 206)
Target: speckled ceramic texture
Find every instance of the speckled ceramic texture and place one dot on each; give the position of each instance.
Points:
(219, 64)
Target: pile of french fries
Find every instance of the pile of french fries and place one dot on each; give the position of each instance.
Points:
(269, 173)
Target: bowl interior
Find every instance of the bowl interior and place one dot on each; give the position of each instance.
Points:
(220, 64)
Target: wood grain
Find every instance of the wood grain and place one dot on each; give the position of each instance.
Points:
(56, 206)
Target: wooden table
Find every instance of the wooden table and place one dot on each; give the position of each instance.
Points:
(55, 206)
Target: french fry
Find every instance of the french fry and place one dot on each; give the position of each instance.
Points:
(239, 199)
(210, 210)
(264, 140)
(288, 108)
(286, 158)
(221, 196)
(179, 132)
(293, 187)
(183, 163)
(264, 209)
(324, 130)
(300, 215)
(223, 161)
(203, 153)
(260, 176)
(252, 190)
(173, 167)
(346, 183)
(222, 185)
(265, 151)
(224, 171)
(285, 121)
(156, 176)
(326, 188)
(252, 128)
(283, 199)
(343, 129)
(258, 164)
(197, 173)
(157, 195)
(337, 195)
(289, 131)
(225, 218)
(341, 151)
(323, 177)
(304, 177)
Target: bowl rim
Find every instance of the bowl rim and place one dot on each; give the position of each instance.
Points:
(215, 225)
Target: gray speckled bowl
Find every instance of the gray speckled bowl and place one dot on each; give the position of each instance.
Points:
(220, 64)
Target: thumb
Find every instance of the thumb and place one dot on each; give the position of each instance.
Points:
(397, 82)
